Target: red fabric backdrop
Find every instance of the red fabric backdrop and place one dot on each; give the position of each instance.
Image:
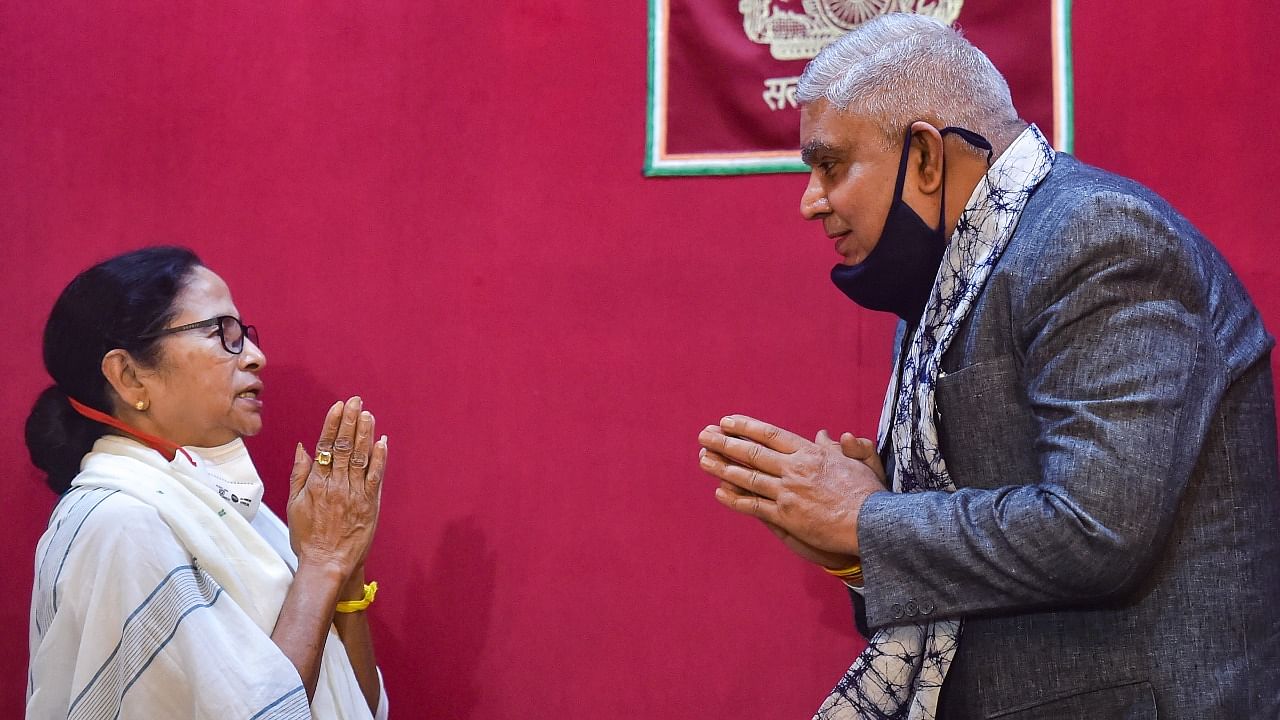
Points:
(441, 207)
(711, 57)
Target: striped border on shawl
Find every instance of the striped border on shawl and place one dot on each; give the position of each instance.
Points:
(184, 590)
(59, 547)
(292, 704)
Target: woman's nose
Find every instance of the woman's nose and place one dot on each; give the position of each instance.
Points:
(252, 357)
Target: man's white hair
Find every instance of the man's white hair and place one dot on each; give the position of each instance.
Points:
(901, 67)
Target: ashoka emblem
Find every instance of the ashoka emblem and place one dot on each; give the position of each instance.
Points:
(793, 35)
(845, 14)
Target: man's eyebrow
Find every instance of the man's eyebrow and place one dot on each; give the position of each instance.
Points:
(812, 149)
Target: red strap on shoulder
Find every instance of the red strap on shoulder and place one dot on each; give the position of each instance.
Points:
(164, 447)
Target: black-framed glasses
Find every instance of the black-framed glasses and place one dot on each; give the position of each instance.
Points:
(231, 331)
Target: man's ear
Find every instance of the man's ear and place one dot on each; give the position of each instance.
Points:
(122, 373)
(926, 168)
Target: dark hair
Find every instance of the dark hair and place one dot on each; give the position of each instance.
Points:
(111, 305)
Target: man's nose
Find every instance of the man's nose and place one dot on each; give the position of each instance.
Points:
(813, 202)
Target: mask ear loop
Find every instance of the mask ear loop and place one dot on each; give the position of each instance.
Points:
(973, 139)
(902, 166)
(902, 174)
(967, 135)
(942, 205)
(168, 449)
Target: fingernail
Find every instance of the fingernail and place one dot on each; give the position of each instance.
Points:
(298, 453)
(720, 494)
(705, 461)
(383, 441)
(728, 423)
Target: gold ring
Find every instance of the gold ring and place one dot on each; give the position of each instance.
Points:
(324, 457)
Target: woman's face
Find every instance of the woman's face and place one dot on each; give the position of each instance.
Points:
(199, 393)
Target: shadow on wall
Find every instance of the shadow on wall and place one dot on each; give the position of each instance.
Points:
(446, 615)
(836, 608)
(438, 612)
(295, 403)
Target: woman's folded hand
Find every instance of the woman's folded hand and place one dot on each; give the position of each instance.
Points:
(334, 498)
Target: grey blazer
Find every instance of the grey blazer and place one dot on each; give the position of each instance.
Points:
(1108, 417)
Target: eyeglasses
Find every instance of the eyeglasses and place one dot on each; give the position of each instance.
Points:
(231, 331)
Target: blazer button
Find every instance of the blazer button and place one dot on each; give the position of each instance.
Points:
(897, 611)
(911, 608)
(927, 608)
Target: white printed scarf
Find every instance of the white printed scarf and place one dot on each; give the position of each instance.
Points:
(899, 675)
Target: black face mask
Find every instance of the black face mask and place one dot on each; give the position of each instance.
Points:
(899, 273)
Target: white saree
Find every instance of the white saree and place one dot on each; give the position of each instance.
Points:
(155, 597)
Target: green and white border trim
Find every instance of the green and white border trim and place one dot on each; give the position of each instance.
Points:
(658, 163)
(1064, 108)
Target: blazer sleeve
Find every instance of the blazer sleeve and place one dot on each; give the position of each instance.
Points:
(1121, 373)
(859, 614)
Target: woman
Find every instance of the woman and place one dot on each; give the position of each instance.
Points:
(164, 588)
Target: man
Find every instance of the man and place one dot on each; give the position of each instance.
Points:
(1079, 434)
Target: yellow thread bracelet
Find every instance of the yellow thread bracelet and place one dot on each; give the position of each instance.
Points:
(350, 606)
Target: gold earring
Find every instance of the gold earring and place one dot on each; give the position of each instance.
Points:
(141, 405)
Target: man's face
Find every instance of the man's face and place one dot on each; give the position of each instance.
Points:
(851, 178)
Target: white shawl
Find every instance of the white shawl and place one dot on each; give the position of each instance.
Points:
(155, 598)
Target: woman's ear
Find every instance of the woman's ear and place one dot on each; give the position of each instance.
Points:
(926, 171)
(122, 374)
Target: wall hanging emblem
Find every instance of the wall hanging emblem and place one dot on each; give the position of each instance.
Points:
(723, 73)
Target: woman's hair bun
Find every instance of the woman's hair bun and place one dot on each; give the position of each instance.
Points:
(57, 436)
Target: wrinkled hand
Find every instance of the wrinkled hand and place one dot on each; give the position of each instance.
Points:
(809, 493)
(333, 510)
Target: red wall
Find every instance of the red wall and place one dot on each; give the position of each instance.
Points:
(441, 208)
